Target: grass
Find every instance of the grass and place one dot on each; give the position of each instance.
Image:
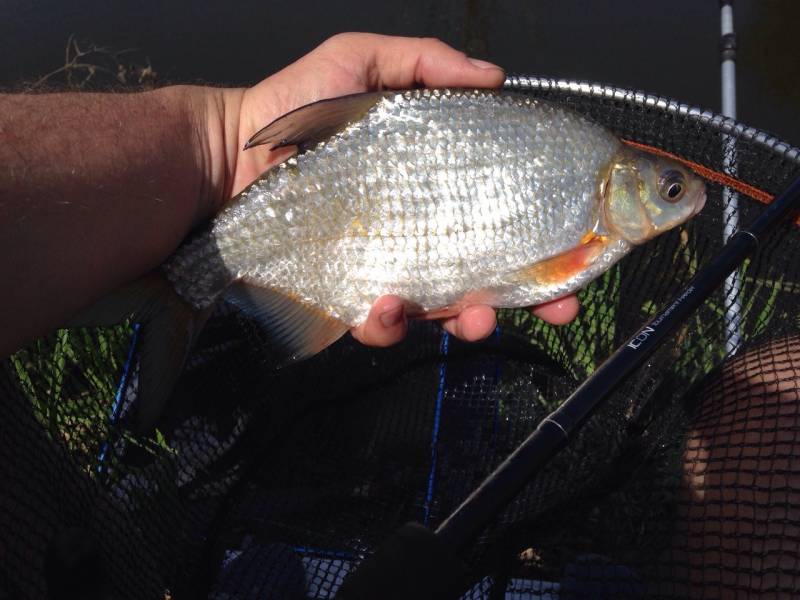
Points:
(70, 379)
(595, 326)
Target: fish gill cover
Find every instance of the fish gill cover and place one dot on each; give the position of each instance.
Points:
(276, 483)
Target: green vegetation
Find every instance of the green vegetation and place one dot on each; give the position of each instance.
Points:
(71, 379)
(581, 346)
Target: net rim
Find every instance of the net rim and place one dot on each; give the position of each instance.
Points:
(707, 117)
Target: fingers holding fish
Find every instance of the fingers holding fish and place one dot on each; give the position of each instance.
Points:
(478, 321)
(397, 62)
(386, 324)
(472, 324)
(558, 312)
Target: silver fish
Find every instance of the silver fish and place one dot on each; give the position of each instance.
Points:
(442, 197)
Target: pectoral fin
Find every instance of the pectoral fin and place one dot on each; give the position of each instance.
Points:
(310, 124)
(302, 330)
(564, 266)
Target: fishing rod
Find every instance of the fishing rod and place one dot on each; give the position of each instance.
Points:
(425, 564)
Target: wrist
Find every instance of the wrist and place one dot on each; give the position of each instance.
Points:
(219, 144)
(213, 118)
(221, 125)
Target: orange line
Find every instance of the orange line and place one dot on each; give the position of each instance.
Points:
(710, 174)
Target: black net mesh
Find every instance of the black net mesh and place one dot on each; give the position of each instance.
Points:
(265, 483)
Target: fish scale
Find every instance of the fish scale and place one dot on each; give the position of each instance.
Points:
(429, 195)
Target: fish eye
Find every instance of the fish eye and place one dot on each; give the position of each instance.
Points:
(672, 186)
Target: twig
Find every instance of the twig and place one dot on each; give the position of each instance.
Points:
(92, 60)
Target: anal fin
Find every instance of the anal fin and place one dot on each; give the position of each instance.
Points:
(564, 266)
(480, 296)
(444, 312)
(301, 329)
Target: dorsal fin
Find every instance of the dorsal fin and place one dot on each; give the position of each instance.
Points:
(310, 124)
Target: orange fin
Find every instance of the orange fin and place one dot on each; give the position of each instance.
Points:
(440, 313)
(481, 296)
(566, 265)
(301, 329)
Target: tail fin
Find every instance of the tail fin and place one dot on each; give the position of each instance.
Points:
(169, 328)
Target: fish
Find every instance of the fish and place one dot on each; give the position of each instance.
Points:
(444, 197)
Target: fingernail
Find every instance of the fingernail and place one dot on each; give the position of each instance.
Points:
(392, 316)
(482, 64)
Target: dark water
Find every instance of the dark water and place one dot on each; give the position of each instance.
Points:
(668, 48)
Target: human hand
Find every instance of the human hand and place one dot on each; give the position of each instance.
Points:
(387, 323)
(360, 62)
(350, 63)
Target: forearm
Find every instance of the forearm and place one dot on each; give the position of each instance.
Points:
(97, 189)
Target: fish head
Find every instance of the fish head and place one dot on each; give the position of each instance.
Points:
(645, 195)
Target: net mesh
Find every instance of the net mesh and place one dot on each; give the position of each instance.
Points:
(265, 483)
